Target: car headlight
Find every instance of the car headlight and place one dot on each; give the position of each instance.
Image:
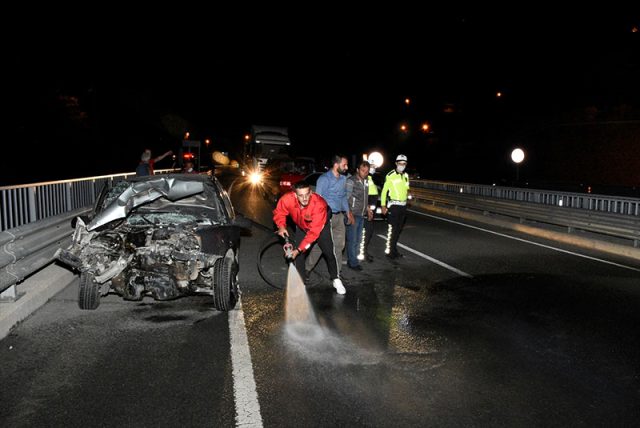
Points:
(255, 178)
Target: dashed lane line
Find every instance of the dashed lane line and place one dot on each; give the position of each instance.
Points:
(431, 259)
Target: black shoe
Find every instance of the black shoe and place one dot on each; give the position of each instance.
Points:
(357, 267)
(368, 257)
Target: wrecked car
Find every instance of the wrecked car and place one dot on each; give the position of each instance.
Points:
(160, 236)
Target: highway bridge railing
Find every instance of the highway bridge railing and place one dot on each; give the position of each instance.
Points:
(601, 214)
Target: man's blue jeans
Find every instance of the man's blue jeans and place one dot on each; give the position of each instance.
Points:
(354, 236)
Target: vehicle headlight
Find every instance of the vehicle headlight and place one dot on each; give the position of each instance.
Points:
(255, 178)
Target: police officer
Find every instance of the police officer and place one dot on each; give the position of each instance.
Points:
(369, 221)
(397, 186)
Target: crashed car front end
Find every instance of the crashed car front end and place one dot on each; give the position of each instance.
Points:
(145, 243)
(165, 262)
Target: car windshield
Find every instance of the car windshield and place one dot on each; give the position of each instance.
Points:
(163, 201)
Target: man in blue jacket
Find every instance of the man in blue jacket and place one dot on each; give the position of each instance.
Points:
(332, 186)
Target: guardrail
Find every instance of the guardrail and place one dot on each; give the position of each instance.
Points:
(582, 201)
(27, 203)
(606, 215)
(29, 248)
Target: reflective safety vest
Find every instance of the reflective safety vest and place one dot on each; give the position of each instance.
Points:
(373, 189)
(398, 187)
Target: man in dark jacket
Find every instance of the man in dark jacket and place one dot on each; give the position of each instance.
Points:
(357, 197)
(147, 164)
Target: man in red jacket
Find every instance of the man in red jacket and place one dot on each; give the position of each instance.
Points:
(310, 213)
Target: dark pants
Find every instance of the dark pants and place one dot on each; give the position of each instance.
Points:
(325, 242)
(395, 217)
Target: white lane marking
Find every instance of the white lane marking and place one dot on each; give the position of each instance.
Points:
(244, 384)
(529, 242)
(431, 259)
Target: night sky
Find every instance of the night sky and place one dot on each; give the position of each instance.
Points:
(337, 79)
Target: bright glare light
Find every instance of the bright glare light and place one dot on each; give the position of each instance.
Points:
(425, 127)
(186, 135)
(517, 155)
(407, 101)
(403, 127)
(255, 178)
(376, 159)
(498, 94)
(247, 137)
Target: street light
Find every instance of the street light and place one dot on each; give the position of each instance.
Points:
(375, 159)
(517, 156)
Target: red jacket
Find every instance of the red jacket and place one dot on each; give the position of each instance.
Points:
(311, 219)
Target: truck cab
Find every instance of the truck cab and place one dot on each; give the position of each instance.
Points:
(267, 143)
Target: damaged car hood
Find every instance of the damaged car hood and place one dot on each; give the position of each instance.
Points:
(143, 192)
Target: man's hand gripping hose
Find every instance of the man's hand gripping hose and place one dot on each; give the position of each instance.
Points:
(288, 248)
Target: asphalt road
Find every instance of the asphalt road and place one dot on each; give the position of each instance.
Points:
(469, 328)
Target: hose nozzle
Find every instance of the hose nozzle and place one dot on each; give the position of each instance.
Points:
(288, 248)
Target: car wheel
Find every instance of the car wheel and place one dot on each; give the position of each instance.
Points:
(225, 286)
(89, 294)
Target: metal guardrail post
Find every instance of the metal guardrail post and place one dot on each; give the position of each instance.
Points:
(67, 197)
(32, 204)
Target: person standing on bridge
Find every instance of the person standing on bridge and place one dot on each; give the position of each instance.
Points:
(358, 198)
(147, 164)
(396, 185)
(310, 213)
(332, 186)
(188, 168)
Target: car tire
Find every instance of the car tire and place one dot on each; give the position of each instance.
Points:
(225, 285)
(89, 292)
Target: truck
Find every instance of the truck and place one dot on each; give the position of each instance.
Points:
(266, 144)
